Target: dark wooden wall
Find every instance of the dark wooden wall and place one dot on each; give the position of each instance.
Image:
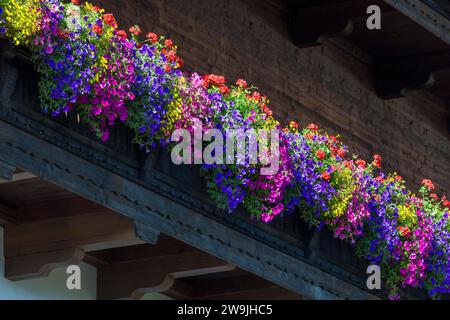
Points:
(250, 39)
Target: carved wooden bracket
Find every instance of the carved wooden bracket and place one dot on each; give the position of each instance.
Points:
(132, 274)
(394, 78)
(34, 249)
(309, 23)
(146, 233)
(6, 171)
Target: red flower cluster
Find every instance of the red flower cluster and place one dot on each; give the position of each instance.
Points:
(313, 127)
(213, 80)
(293, 125)
(110, 20)
(256, 96)
(122, 34)
(62, 34)
(341, 153)
(97, 29)
(428, 184)
(152, 37)
(404, 231)
(326, 176)
(135, 30)
(321, 154)
(168, 43)
(76, 2)
(361, 163)
(267, 110)
(217, 81)
(242, 83)
(377, 161)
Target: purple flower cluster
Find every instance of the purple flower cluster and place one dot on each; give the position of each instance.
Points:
(152, 89)
(310, 192)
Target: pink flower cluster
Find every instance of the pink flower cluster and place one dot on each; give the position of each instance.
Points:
(273, 187)
(415, 249)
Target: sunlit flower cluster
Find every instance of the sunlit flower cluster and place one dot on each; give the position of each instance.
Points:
(20, 20)
(107, 75)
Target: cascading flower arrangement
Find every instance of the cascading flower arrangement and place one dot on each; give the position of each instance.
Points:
(108, 75)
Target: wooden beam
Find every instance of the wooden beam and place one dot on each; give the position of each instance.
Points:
(308, 23)
(18, 177)
(146, 233)
(312, 22)
(59, 208)
(34, 249)
(133, 272)
(395, 77)
(242, 287)
(424, 15)
(8, 214)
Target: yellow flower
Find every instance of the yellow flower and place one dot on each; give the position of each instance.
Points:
(22, 20)
(172, 116)
(406, 215)
(344, 184)
(90, 7)
(338, 206)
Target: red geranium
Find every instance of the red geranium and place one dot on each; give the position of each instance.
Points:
(313, 127)
(224, 89)
(76, 2)
(121, 33)
(97, 29)
(110, 20)
(135, 30)
(293, 125)
(268, 111)
(62, 34)
(361, 163)
(404, 231)
(256, 96)
(180, 62)
(242, 83)
(168, 43)
(152, 37)
(334, 139)
(377, 161)
(326, 176)
(212, 79)
(427, 183)
(321, 154)
(171, 56)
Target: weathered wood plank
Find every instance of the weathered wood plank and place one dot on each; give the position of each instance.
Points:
(6, 171)
(424, 15)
